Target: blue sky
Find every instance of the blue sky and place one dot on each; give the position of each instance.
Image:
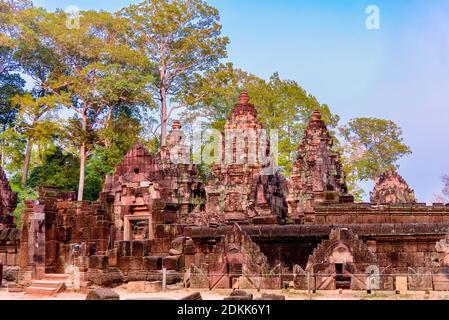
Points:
(400, 72)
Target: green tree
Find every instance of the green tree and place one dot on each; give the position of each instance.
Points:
(58, 169)
(90, 69)
(285, 106)
(183, 39)
(112, 143)
(35, 122)
(10, 86)
(372, 146)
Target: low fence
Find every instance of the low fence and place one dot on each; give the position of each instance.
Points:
(400, 282)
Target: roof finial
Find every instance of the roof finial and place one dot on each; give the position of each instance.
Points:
(316, 115)
(243, 97)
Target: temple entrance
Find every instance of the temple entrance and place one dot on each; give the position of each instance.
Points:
(138, 224)
(138, 227)
(342, 279)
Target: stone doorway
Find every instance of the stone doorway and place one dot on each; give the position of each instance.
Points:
(342, 278)
(138, 227)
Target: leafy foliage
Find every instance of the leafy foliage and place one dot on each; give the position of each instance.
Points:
(182, 38)
(58, 169)
(371, 147)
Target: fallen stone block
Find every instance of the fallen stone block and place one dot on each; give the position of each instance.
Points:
(192, 297)
(239, 295)
(271, 296)
(236, 292)
(10, 274)
(103, 294)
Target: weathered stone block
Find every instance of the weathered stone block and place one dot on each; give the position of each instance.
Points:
(123, 263)
(239, 295)
(271, 296)
(139, 248)
(124, 248)
(113, 257)
(171, 262)
(189, 247)
(103, 294)
(173, 277)
(193, 297)
(401, 285)
(11, 259)
(272, 283)
(152, 263)
(440, 282)
(105, 278)
(135, 263)
(98, 262)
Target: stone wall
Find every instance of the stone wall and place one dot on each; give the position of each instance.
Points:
(67, 223)
(292, 244)
(8, 202)
(9, 235)
(378, 214)
(9, 246)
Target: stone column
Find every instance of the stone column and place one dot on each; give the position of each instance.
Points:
(36, 241)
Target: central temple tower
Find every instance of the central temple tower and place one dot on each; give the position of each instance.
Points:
(244, 187)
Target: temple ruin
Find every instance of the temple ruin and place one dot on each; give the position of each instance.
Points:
(247, 227)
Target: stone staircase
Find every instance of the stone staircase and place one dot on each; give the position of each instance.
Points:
(51, 284)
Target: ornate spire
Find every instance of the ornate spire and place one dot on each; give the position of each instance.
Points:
(244, 115)
(317, 174)
(390, 187)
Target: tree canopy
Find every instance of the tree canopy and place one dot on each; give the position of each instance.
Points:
(94, 90)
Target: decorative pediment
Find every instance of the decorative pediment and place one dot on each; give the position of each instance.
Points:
(391, 188)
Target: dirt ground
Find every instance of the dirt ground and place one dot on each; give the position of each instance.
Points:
(175, 293)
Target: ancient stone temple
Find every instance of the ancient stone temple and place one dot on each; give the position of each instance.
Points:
(9, 234)
(246, 226)
(390, 187)
(317, 175)
(243, 187)
(8, 201)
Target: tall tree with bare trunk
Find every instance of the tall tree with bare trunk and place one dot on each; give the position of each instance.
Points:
(183, 39)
